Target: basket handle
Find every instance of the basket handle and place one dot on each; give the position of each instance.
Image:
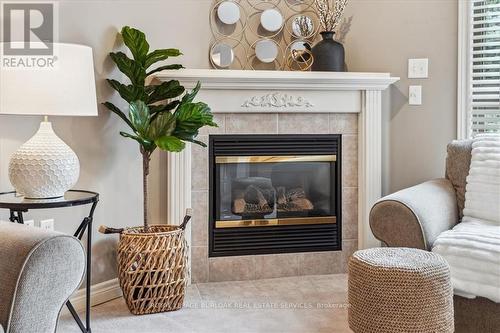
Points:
(108, 230)
(189, 213)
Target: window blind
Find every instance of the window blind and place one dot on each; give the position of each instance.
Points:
(484, 84)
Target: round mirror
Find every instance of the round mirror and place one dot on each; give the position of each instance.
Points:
(271, 20)
(266, 50)
(228, 12)
(222, 55)
(302, 26)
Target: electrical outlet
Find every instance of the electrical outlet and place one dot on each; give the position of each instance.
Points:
(415, 95)
(47, 224)
(418, 68)
(30, 223)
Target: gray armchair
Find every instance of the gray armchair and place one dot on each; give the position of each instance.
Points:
(415, 216)
(39, 270)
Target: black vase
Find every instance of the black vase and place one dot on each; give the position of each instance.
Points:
(328, 54)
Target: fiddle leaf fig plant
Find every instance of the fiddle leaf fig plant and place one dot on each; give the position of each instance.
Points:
(163, 115)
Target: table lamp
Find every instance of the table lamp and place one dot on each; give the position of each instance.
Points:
(45, 167)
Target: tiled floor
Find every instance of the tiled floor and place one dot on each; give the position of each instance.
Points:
(307, 304)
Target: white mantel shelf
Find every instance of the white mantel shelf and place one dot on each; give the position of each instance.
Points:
(279, 80)
(236, 91)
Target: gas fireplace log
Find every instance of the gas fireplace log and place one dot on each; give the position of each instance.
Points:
(252, 200)
(254, 195)
(281, 195)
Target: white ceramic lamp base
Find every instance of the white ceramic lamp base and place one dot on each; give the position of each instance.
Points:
(44, 167)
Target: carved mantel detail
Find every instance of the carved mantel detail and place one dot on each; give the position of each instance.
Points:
(276, 100)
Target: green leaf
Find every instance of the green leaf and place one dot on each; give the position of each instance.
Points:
(132, 69)
(154, 109)
(162, 125)
(148, 145)
(189, 97)
(136, 42)
(190, 117)
(139, 116)
(129, 93)
(166, 90)
(166, 67)
(170, 143)
(159, 55)
(119, 113)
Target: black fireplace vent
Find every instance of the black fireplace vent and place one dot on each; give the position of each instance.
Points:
(248, 145)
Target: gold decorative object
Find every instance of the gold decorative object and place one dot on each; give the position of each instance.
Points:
(253, 34)
(299, 56)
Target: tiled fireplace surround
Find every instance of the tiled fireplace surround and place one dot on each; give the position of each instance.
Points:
(275, 265)
(260, 102)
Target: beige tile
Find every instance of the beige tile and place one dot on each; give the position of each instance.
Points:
(330, 283)
(231, 268)
(199, 264)
(220, 120)
(313, 263)
(350, 213)
(199, 227)
(199, 165)
(299, 123)
(350, 160)
(241, 307)
(344, 123)
(276, 265)
(238, 123)
(348, 248)
(227, 290)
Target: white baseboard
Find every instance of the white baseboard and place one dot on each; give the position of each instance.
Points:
(99, 293)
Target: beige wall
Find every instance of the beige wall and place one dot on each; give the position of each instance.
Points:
(383, 35)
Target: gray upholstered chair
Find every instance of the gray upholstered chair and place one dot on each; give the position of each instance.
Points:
(415, 216)
(39, 270)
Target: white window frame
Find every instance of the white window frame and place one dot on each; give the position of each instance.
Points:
(463, 77)
(464, 84)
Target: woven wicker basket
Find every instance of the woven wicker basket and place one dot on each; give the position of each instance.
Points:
(152, 268)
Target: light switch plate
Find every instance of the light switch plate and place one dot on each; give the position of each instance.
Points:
(47, 224)
(30, 223)
(415, 95)
(418, 68)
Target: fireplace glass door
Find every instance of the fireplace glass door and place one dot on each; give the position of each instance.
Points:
(256, 191)
(277, 193)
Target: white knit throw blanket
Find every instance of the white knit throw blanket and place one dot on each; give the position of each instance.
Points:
(472, 248)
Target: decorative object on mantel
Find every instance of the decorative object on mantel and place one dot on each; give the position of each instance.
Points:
(45, 166)
(160, 116)
(252, 34)
(329, 54)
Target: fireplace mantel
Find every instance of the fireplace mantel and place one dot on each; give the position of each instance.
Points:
(279, 80)
(235, 91)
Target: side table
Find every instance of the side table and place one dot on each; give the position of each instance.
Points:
(17, 205)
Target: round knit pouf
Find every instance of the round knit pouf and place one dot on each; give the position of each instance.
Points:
(399, 290)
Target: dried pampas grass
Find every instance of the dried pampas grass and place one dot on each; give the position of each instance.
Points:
(330, 12)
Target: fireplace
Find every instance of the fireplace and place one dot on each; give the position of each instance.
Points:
(274, 194)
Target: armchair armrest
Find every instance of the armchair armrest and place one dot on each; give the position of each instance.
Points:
(415, 216)
(39, 270)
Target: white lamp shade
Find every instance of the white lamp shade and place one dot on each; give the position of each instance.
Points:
(66, 89)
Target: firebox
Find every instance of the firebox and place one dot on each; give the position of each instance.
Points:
(274, 194)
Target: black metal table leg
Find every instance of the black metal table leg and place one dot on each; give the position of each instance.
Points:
(86, 225)
(17, 216)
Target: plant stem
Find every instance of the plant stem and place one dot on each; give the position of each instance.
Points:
(146, 156)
